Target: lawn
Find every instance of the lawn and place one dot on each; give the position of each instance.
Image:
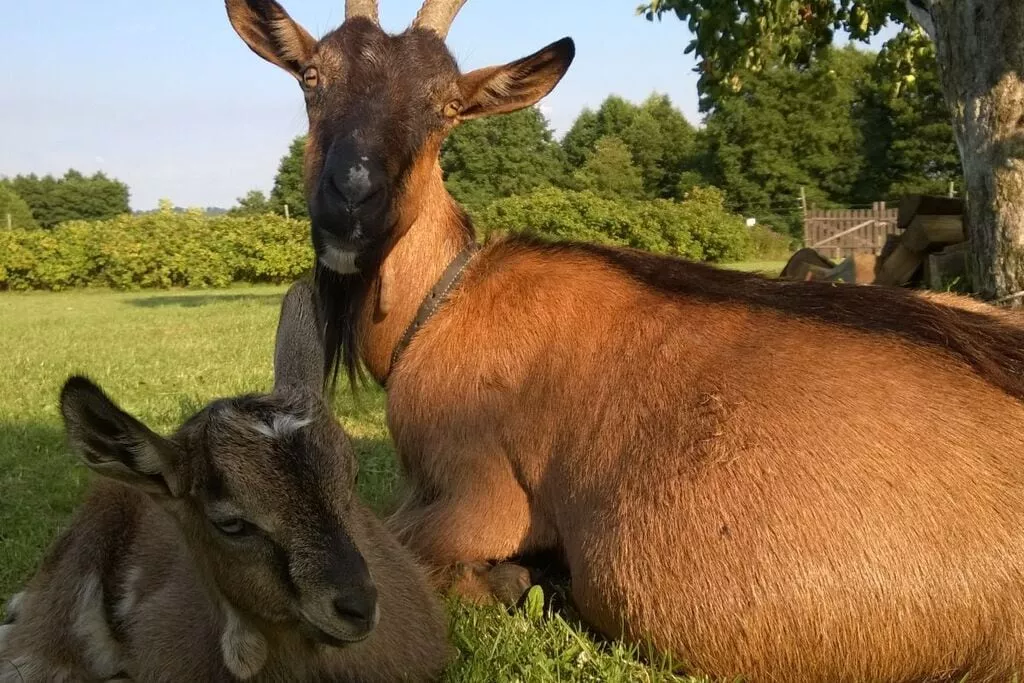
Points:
(769, 268)
(163, 355)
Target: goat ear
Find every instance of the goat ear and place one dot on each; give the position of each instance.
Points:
(269, 32)
(517, 85)
(115, 444)
(299, 348)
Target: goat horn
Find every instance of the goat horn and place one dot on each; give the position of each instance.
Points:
(362, 8)
(437, 15)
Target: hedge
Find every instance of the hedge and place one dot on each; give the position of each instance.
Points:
(156, 250)
(192, 250)
(699, 228)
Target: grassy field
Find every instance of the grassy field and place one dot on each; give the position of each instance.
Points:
(771, 268)
(162, 355)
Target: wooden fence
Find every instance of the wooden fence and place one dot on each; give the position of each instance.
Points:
(839, 233)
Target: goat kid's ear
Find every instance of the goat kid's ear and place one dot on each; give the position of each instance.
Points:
(299, 347)
(269, 32)
(517, 85)
(116, 445)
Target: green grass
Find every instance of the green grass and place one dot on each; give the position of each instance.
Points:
(162, 356)
(772, 268)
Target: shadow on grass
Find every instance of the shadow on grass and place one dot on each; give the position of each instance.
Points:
(197, 300)
(378, 473)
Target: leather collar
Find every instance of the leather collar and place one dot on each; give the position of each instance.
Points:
(437, 295)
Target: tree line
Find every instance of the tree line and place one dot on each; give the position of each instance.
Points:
(848, 129)
(30, 201)
(971, 54)
(843, 131)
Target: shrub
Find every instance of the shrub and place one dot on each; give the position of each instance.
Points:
(159, 250)
(768, 245)
(156, 250)
(14, 211)
(698, 228)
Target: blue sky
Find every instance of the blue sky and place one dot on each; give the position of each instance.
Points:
(166, 97)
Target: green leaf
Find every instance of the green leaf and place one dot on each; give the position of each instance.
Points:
(534, 605)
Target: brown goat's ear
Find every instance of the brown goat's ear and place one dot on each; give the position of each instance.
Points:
(299, 346)
(115, 444)
(268, 30)
(514, 86)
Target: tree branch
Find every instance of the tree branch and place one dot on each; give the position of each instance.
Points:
(921, 11)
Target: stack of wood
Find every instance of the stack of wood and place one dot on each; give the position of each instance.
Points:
(931, 250)
(808, 264)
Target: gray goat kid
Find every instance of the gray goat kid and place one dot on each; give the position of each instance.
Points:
(234, 549)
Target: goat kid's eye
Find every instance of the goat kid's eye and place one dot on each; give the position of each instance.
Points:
(311, 77)
(233, 527)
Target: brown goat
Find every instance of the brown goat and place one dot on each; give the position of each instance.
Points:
(649, 418)
(233, 550)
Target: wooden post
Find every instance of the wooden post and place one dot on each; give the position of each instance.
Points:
(9, 221)
(286, 212)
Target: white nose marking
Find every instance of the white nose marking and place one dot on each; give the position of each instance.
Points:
(359, 176)
(359, 186)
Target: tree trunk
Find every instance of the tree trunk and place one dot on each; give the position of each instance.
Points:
(980, 50)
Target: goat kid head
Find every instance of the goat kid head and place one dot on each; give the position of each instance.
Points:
(260, 485)
(379, 107)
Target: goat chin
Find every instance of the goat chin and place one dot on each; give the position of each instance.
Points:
(341, 262)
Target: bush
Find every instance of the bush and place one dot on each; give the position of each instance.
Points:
(189, 249)
(768, 245)
(156, 250)
(698, 228)
(14, 211)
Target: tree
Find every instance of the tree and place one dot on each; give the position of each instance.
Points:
(610, 172)
(979, 48)
(908, 135)
(789, 129)
(14, 211)
(491, 158)
(658, 136)
(72, 197)
(289, 188)
(579, 141)
(677, 142)
(253, 203)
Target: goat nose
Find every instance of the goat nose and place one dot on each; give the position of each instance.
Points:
(354, 184)
(358, 606)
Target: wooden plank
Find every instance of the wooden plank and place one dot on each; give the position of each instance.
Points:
(844, 272)
(841, 233)
(799, 263)
(856, 269)
(865, 266)
(927, 233)
(813, 272)
(943, 267)
(898, 269)
(890, 244)
(926, 205)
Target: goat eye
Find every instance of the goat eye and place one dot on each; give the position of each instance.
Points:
(236, 526)
(310, 77)
(452, 109)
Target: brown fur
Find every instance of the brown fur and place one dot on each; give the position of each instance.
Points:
(706, 498)
(142, 585)
(651, 420)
